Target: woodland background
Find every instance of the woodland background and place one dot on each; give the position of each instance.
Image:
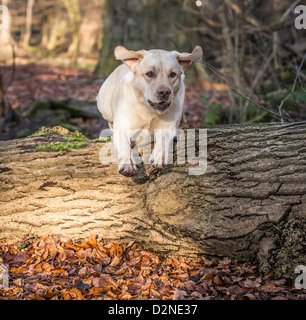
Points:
(62, 50)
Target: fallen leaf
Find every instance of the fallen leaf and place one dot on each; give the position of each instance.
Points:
(179, 295)
(115, 262)
(269, 287)
(92, 241)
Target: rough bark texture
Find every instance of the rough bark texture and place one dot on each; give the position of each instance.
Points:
(249, 205)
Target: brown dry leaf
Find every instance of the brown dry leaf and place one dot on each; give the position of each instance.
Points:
(196, 295)
(207, 277)
(106, 283)
(111, 294)
(279, 298)
(65, 295)
(248, 283)
(270, 287)
(145, 293)
(72, 247)
(218, 280)
(179, 295)
(154, 294)
(21, 257)
(279, 283)
(184, 266)
(95, 291)
(92, 241)
(19, 282)
(82, 271)
(115, 262)
(50, 295)
(126, 296)
(61, 257)
(76, 294)
(96, 282)
(115, 250)
(103, 258)
(35, 297)
(234, 289)
(57, 270)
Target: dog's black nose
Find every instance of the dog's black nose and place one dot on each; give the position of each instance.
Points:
(164, 92)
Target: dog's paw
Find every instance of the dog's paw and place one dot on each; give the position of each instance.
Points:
(127, 170)
(157, 159)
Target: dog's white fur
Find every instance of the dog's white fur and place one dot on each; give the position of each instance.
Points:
(129, 99)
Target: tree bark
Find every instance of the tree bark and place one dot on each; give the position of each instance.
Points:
(249, 205)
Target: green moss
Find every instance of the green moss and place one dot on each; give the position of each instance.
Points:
(104, 139)
(40, 132)
(77, 137)
(60, 146)
(72, 140)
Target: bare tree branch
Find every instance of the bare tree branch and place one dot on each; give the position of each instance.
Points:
(224, 79)
(292, 90)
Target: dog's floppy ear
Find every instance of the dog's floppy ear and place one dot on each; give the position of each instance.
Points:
(130, 58)
(185, 59)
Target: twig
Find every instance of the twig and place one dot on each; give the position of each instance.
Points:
(301, 83)
(230, 51)
(238, 10)
(223, 78)
(259, 73)
(283, 17)
(292, 90)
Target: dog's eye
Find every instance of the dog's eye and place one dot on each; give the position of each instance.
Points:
(150, 74)
(172, 74)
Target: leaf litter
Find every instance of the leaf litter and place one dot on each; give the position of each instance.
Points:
(55, 269)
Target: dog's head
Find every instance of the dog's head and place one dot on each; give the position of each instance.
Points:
(157, 74)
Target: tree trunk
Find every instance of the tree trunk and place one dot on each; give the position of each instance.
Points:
(73, 9)
(249, 205)
(6, 112)
(91, 27)
(28, 27)
(146, 24)
(6, 41)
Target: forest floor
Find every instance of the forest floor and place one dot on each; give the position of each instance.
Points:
(32, 83)
(48, 268)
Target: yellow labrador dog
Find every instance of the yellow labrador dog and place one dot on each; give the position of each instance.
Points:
(145, 92)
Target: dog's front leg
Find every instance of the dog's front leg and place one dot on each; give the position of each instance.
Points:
(163, 144)
(122, 142)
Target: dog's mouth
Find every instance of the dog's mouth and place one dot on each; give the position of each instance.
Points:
(161, 106)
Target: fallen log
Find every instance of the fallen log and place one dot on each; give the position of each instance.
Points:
(249, 205)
